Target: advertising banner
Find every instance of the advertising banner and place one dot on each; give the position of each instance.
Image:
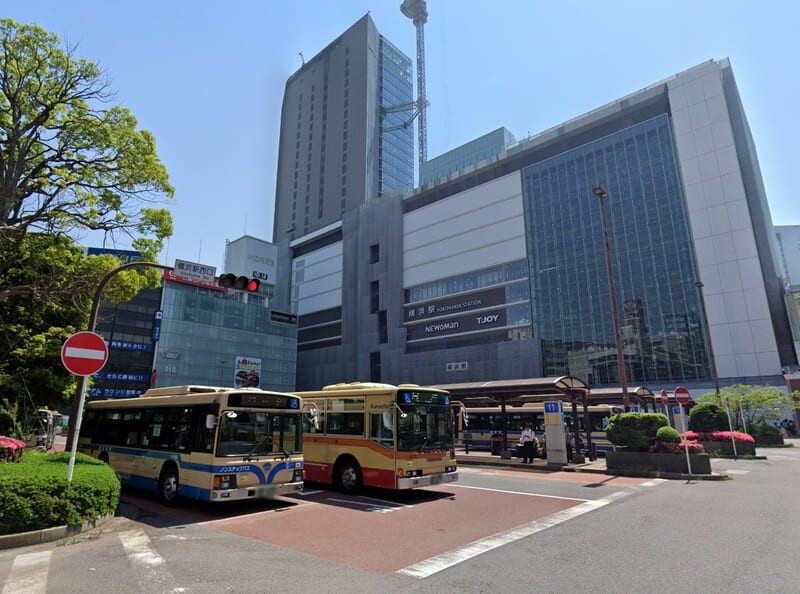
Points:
(247, 372)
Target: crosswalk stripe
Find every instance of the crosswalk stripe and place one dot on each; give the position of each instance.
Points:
(138, 549)
(28, 574)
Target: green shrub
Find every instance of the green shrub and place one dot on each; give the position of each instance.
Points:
(763, 428)
(668, 434)
(708, 417)
(635, 431)
(34, 494)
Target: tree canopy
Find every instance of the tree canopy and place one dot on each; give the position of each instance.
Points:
(70, 162)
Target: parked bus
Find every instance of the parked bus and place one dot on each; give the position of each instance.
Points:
(46, 425)
(202, 442)
(476, 426)
(378, 435)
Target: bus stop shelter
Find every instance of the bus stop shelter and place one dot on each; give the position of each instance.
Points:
(518, 392)
(570, 390)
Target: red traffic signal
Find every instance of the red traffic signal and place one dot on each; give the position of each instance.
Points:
(240, 283)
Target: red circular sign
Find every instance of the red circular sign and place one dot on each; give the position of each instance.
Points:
(682, 395)
(84, 353)
(664, 397)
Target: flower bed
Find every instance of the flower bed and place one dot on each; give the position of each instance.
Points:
(654, 463)
(11, 449)
(720, 442)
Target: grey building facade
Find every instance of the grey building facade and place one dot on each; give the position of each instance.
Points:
(499, 272)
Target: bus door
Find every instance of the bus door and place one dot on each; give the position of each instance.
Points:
(315, 447)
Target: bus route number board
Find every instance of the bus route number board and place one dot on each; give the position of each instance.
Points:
(552, 413)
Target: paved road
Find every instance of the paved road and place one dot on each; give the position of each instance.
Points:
(494, 530)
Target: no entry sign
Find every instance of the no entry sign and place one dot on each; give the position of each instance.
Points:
(682, 395)
(84, 353)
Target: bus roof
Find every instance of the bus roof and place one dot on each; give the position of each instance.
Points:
(181, 390)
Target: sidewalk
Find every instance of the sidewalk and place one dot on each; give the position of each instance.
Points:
(485, 458)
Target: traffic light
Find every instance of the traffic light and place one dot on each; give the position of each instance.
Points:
(240, 283)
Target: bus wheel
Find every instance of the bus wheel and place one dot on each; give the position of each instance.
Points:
(168, 486)
(103, 457)
(348, 476)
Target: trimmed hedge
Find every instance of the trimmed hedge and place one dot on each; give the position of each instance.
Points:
(34, 493)
(635, 432)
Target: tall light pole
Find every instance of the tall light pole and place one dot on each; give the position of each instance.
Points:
(699, 286)
(601, 193)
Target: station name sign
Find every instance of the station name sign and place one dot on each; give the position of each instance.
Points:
(453, 305)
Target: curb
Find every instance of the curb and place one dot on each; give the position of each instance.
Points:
(34, 537)
(588, 469)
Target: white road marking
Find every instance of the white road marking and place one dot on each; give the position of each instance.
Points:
(137, 547)
(381, 509)
(28, 574)
(427, 568)
(516, 492)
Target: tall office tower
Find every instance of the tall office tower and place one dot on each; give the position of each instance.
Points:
(346, 135)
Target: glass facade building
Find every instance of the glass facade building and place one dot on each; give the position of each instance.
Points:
(652, 259)
(205, 332)
(396, 138)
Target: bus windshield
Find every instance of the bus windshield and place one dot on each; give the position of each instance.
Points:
(424, 427)
(248, 433)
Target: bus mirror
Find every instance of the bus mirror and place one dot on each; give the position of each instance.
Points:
(211, 421)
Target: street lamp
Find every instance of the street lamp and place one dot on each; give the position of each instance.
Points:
(713, 362)
(699, 286)
(601, 193)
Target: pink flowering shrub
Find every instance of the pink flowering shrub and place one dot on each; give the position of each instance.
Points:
(669, 447)
(738, 436)
(11, 449)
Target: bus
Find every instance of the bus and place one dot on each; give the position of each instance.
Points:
(476, 426)
(364, 434)
(201, 442)
(46, 425)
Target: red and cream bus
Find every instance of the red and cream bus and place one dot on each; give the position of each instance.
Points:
(378, 435)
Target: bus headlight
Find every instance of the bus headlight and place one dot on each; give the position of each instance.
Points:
(224, 481)
(298, 475)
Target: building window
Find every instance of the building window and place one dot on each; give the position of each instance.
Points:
(374, 367)
(383, 329)
(374, 253)
(374, 300)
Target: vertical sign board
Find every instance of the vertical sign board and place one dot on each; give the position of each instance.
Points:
(554, 432)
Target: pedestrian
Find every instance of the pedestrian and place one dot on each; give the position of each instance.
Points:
(527, 439)
(570, 440)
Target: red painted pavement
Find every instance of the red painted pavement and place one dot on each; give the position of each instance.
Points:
(383, 543)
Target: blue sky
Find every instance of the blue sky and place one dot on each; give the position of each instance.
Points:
(207, 79)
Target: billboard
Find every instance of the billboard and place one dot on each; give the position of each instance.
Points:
(247, 372)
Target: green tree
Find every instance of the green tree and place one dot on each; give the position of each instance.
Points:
(69, 162)
(758, 404)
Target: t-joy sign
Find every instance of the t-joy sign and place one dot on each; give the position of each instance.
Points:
(458, 325)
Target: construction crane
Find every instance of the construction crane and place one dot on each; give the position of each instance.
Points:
(417, 11)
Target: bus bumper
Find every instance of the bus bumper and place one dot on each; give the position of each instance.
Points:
(257, 492)
(413, 482)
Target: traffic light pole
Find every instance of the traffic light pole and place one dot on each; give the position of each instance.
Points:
(76, 413)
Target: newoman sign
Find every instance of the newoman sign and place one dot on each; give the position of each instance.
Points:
(484, 320)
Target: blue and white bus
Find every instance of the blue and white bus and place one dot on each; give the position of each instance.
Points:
(202, 442)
